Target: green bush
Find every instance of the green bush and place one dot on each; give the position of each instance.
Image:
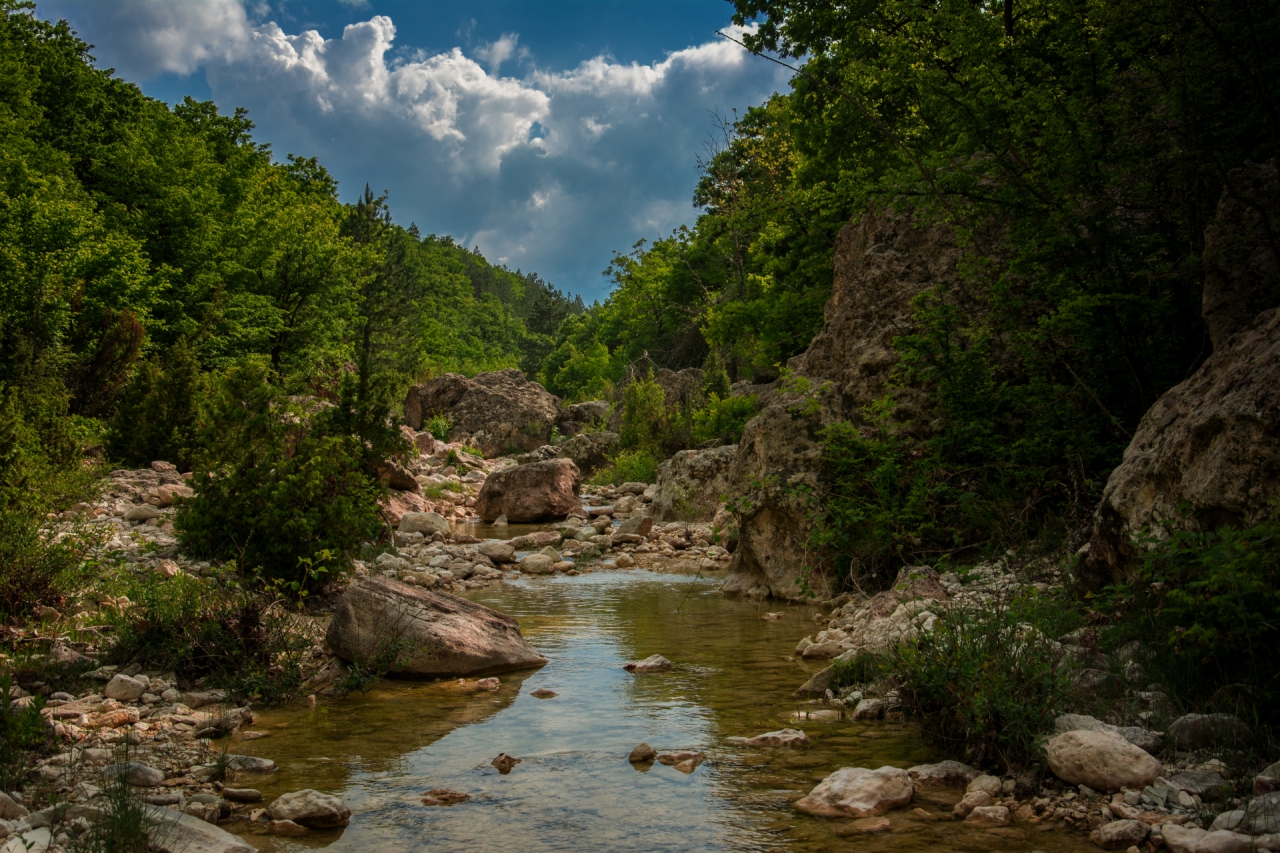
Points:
(234, 638)
(1207, 609)
(275, 488)
(888, 501)
(22, 732)
(987, 682)
(644, 416)
(439, 426)
(630, 466)
(723, 419)
(157, 415)
(38, 476)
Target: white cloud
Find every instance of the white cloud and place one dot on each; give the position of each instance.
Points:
(150, 36)
(498, 52)
(551, 170)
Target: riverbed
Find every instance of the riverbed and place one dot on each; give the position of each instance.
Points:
(574, 789)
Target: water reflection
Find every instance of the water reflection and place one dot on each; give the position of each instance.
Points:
(575, 789)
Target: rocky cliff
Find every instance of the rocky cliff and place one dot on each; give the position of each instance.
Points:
(1208, 452)
(882, 263)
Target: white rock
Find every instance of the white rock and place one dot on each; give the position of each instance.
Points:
(858, 792)
(122, 688)
(989, 784)
(782, 737)
(653, 663)
(310, 808)
(424, 522)
(1102, 760)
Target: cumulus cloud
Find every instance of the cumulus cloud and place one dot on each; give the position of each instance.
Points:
(550, 170)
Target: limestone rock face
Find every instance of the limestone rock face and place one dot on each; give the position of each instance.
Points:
(1103, 760)
(437, 634)
(882, 262)
(1212, 441)
(691, 484)
(589, 450)
(501, 410)
(858, 792)
(538, 491)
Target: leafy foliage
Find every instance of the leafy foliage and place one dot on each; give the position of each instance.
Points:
(230, 635)
(22, 732)
(629, 466)
(278, 485)
(157, 416)
(1207, 607)
(986, 680)
(39, 474)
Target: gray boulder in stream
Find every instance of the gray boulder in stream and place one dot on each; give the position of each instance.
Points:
(413, 631)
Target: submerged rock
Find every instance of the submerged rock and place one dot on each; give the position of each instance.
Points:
(310, 808)
(444, 797)
(782, 737)
(505, 762)
(427, 633)
(653, 663)
(858, 792)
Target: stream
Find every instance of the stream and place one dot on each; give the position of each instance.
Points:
(574, 789)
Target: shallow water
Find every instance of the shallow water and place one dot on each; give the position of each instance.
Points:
(574, 789)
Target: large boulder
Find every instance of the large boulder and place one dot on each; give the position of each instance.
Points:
(589, 450)
(1211, 444)
(502, 411)
(176, 832)
(424, 633)
(858, 792)
(881, 264)
(692, 484)
(1102, 760)
(539, 491)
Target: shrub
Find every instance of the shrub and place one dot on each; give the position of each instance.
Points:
(633, 466)
(888, 501)
(22, 732)
(987, 681)
(157, 415)
(439, 426)
(245, 642)
(644, 416)
(1207, 609)
(276, 489)
(35, 480)
(723, 419)
(124, 823)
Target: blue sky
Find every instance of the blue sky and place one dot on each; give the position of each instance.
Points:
(547, 133)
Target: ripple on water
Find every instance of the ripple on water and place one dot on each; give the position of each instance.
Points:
(574, 789)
